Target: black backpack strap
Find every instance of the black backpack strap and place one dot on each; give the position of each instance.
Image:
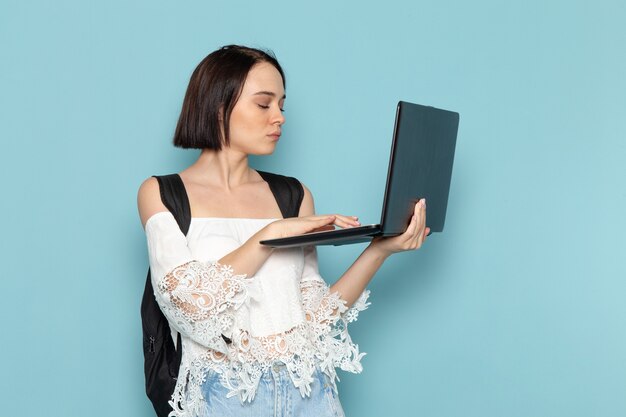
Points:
(287, 191)
(162, 358)
(174, 197)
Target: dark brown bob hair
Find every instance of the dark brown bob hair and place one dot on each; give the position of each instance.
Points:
(214, 88)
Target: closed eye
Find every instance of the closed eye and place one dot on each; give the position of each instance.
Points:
(264, 107)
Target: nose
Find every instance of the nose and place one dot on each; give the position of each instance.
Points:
(278, 118)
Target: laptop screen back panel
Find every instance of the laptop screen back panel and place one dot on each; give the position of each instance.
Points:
(423, 149)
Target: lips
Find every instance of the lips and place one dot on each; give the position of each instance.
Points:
(274, 135)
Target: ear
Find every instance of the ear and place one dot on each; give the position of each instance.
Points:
(220, 115)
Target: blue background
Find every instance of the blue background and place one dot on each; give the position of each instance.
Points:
(517, 309)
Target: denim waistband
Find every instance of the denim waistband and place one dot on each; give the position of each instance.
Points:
(279, 369)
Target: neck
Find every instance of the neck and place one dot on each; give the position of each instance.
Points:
(225, 168)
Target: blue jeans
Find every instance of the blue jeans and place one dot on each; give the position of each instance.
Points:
(276, 396)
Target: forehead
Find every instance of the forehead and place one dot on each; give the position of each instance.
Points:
(263, 77)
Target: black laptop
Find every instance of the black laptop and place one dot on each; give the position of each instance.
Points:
(420, 166)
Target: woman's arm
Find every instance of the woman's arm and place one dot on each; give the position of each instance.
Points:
(354, 281)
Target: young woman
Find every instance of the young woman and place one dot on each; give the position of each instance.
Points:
(286, 328)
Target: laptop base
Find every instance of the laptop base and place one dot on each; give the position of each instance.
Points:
(332, 237)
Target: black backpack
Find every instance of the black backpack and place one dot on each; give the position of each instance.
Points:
(161, 357)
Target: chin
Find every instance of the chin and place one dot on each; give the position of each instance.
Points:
(268, 150)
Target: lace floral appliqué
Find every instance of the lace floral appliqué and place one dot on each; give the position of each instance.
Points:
(200, 300)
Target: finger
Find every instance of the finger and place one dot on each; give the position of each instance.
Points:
(322, 224)
(411, 230)
(420, 210)
(422, 229)
(322, 229)
(318, 217)
(417, 215)
(344, 224)
(322, 221)
(351, 220)
(420, 237)
(329, 218)
(347, 221)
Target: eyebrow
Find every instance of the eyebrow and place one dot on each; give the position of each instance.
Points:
(268, 93)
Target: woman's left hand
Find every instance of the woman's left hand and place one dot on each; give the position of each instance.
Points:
(411, 239)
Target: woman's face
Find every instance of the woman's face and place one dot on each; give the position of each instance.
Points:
(256, 118)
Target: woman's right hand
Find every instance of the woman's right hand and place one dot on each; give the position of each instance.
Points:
(295, 226)
(411, 239)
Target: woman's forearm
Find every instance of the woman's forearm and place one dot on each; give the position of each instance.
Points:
(249, 257)
(354, 281)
